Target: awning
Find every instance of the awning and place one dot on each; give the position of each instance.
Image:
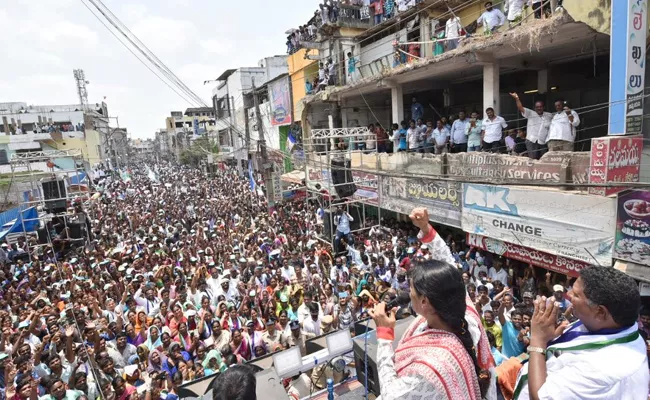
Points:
(297, 177)
(636, 271)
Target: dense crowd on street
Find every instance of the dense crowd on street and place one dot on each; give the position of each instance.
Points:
(188, 275)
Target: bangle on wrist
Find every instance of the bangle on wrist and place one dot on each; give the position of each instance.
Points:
(534, 349)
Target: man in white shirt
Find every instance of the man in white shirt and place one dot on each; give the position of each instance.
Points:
(539, 121)
(562, 132)
(412, 137)
(440, 137)
(311, 325)
(492, 19)
(515, 9)
(453, 29)
(497, 273)
(600, 356)
(492, 130)
(304, 309)
(458, 133)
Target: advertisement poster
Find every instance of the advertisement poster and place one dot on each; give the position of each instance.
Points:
(614, 159)
(441, 198)
(280, 98)
(633, 227)
(563, 224)
(527, 255)
(366, 187)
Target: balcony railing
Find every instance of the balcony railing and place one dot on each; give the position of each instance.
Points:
(354, 17)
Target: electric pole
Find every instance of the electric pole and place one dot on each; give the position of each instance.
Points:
(266, 165)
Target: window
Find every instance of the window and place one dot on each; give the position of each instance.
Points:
(4, 159)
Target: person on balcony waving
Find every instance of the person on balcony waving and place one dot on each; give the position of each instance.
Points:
(562, 133)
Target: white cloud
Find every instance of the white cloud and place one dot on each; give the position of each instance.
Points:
(134, 11)
(220, 46)
(165, 35)
(195, 74)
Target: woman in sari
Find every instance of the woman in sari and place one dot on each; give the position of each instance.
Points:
(143, 356)
(436, 357)
(183, 337)
(123, 390)
(240, 346)
(231, 320)
(155, 365)
(153, 338)
(132, 337)
(142, 321)
(213, 363)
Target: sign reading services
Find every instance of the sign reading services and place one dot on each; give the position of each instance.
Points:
(563, 224)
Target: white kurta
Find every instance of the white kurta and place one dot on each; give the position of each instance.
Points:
(617, 371)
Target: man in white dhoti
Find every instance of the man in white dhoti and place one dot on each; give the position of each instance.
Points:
(600, 356)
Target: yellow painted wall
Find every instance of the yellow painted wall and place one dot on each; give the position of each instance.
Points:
(75, 144)
(595, 13)
(299, 66)
(93, 139)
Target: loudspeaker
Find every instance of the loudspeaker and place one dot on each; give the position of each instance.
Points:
(42, 236)
(54, 195)
(342, 175)
(360, 346)
(76, 230)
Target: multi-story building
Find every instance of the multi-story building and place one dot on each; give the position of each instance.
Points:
(183, 127)
(26, 128)
(161, 144)
(230, 102)
(142, 149)
(540, 212)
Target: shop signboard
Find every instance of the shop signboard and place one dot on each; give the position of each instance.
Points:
(633, 227)
(614, 159)
(537, 258)
(580, 227)
(441, 198)
(366, 187)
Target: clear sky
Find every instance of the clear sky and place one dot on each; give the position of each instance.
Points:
(44, 40)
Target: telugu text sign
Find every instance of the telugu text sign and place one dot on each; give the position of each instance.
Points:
(537, 258)
(614, 159)
(627, 66)
(441, 198)
(580, 227)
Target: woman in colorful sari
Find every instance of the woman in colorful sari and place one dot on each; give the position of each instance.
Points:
(436, 358)
(122, 389)
(142, 321)
(183, 337)
(240, 346)
(132, 337)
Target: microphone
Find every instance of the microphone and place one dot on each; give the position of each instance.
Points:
(403, 298)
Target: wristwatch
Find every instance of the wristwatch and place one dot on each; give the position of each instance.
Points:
(532, 349)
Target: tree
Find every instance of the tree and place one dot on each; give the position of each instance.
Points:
(198, 150)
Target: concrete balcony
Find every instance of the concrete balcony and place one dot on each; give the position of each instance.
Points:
(554, 167)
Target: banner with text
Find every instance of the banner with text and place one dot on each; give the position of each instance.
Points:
(441, 198)
(580, 227)
(551, 262)
(614, 159)
(366, 187)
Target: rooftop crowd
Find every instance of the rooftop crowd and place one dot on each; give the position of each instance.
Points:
(188, 275)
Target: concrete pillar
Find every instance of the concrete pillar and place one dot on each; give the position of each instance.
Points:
(542, 81)
(397, 103)
(5, 125)
(491, 86)
(344, 114)
(426, 49)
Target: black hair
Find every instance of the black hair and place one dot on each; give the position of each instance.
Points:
(516, 312)
(614, 290)
(488, 109)
(120, 334)
(231, 359)
(313, 308)
(117, 380)
(237, 383)
(645, 311)
(491, 339)
(442, 284)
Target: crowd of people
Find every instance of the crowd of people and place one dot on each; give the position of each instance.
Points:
(169, 291)
(461, 133)
(46, 128)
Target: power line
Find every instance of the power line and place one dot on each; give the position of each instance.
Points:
(135, 55)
